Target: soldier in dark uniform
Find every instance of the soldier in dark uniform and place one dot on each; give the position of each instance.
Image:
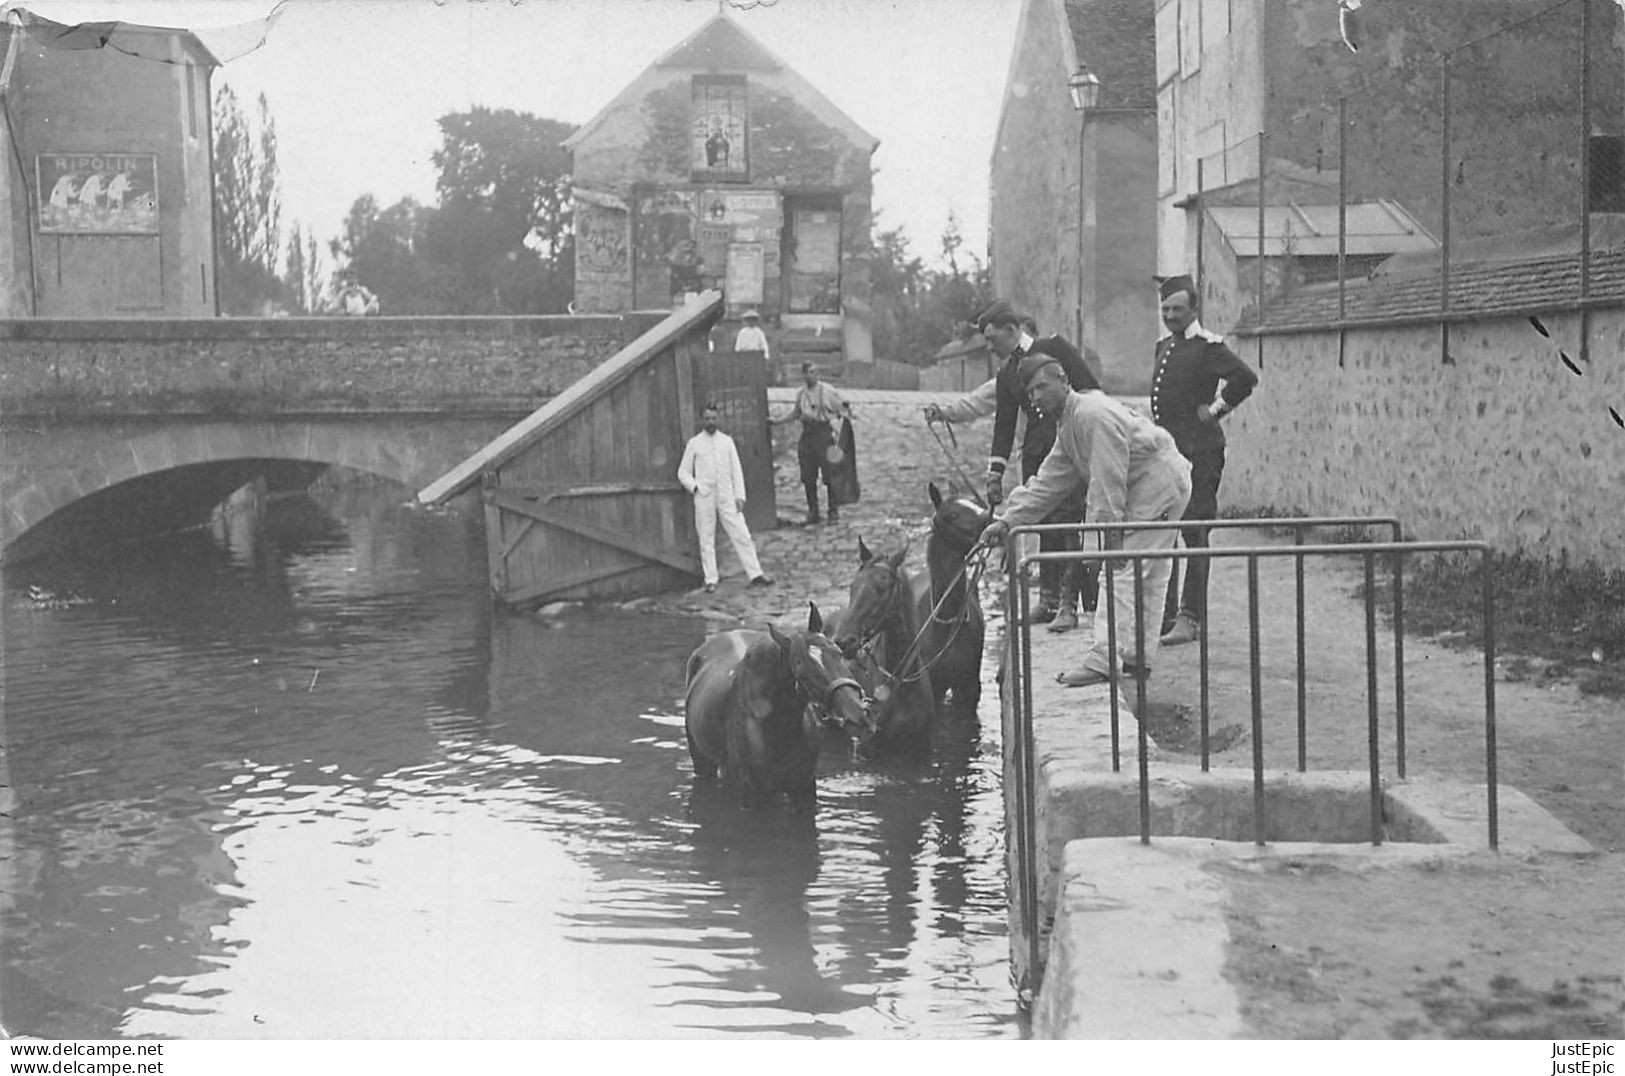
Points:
(1191, 364)
(1007, 333)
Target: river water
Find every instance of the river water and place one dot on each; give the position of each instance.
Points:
(299, 780)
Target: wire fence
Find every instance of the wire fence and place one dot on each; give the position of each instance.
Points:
(1483, 178)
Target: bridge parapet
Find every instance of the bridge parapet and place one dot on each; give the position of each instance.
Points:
(272, 366)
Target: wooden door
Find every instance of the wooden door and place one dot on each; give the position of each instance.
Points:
(737, 383)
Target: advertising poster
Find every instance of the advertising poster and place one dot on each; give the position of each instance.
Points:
(745, 274)
(98, 193)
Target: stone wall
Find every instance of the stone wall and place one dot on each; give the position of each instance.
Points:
(1041, 184)
(1506, 444)
(1033, 196)
(280, 365)
(82, 102)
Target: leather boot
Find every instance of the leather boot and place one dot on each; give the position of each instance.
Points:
(1066, 616)
(812, 504)
(1047, 606)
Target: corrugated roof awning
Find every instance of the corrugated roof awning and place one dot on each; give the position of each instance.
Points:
(1379, 227)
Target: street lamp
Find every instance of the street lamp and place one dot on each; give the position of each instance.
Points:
(1084, 87)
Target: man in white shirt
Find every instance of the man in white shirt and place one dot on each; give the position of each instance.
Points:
(1134, 472)
(710, 471)
(751, 337)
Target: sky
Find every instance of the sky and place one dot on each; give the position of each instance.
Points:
(355, 86)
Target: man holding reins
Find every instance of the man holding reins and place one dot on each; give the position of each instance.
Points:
(1133, 471)
(1006, 333)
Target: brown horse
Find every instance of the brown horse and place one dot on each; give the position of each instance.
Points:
(951, 645)
(878, 631)
(754, 704)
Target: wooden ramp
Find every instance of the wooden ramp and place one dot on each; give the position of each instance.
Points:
(581, 497)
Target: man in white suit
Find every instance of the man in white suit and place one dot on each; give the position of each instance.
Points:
(710, 471)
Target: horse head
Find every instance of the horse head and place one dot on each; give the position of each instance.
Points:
(877, 596)
(822, 674)
(959, 521)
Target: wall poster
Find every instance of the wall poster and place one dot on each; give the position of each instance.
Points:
(601, 243)
(97, 193)
(717, 148)
(744, 286)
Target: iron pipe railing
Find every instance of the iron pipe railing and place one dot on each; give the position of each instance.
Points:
(1020, 566)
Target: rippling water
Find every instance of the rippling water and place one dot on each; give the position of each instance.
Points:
(305, 783)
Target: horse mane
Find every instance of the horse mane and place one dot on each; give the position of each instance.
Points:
(766, 666)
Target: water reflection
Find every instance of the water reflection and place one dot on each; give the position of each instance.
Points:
(304, 783)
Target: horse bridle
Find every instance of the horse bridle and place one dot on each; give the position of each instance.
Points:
(823, 707)
(866, 641)
(979, 555)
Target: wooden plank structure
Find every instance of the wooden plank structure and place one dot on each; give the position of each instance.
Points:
(581, 497)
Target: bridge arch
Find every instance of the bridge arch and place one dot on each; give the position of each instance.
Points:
(50, 466)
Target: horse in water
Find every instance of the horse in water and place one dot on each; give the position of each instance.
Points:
(879, 631)
(754, 704)
(952, 614)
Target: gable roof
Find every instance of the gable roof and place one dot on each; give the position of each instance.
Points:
(1492, 289)
(721, 45)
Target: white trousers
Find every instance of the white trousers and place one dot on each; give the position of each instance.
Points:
(1160, 494)
(707, 510)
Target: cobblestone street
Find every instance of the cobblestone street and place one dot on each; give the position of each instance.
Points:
(897, 457)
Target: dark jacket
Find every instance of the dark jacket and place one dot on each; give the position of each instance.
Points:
(1187, 374)
(1040, 428)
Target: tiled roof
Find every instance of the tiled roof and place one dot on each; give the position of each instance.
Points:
(1489, 288)
(721, 45)
(1117, 39)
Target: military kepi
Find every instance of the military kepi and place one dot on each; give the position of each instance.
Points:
(992, 310)
(1029, 366)
(1175, 284)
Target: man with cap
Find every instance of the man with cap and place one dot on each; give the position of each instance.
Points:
(817, 407)
(1134, 472)
(710, 471)
(1010, 337)
(751, 337)
(1191, 364)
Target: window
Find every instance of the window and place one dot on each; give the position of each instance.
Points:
(719, 129)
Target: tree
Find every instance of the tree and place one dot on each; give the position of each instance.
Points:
(504, 220)
(304, 277)
(248, 207)
(381, 250)
(918, 310)
(499, 241)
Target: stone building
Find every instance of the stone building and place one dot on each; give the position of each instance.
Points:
(1073, 203)
(1227, 70)
(720, 166)
(105, 190)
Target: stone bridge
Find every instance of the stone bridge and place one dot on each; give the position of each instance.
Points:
(137, 426)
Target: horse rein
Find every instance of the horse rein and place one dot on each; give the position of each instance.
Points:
(931, 424)
(977, 554)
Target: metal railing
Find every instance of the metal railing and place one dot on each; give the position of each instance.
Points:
(1019, 566)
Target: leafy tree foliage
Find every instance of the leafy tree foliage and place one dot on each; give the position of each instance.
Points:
(918, 309)
(499, 240)
(248, 207)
